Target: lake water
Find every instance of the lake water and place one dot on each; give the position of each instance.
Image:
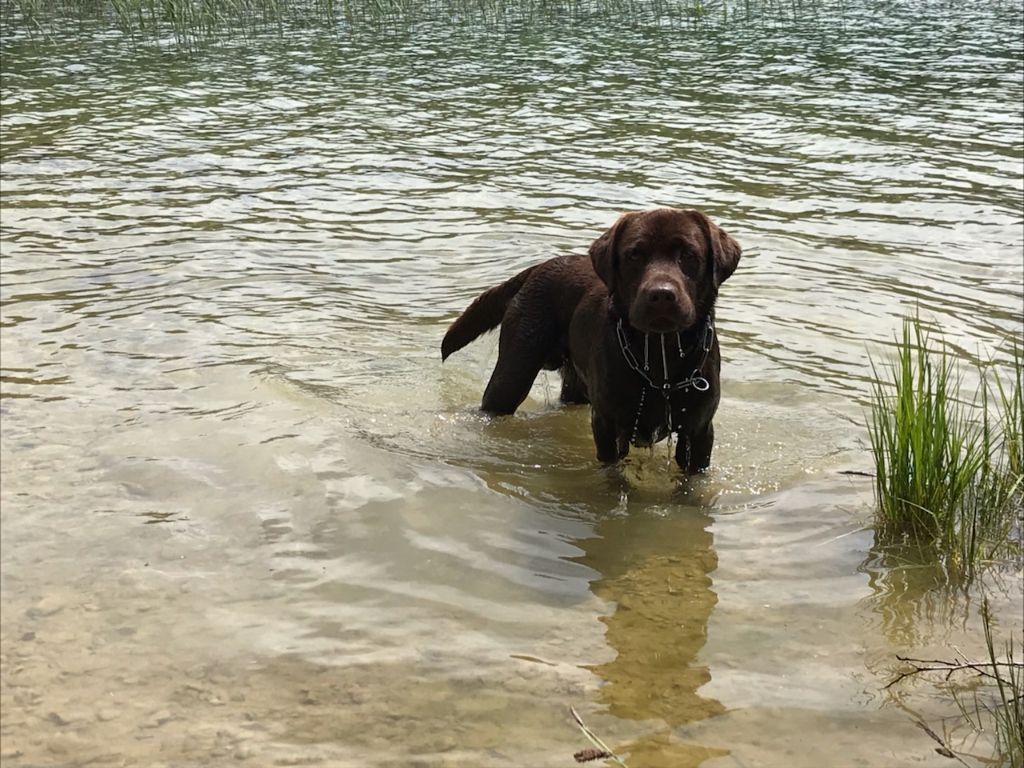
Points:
(250, 519)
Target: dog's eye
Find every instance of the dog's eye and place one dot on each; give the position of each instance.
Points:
(690, 266)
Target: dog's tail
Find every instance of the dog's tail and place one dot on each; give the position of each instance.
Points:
(484, 314)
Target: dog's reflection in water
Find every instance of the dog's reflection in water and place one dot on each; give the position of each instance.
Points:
(655, 567)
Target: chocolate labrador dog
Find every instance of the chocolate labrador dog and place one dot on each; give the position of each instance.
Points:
(631, 328)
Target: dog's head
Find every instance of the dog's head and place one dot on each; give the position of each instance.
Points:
(663, 267)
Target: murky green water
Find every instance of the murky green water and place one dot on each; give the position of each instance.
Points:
(248, 517)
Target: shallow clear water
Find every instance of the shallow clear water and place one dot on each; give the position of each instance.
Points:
(249, 518)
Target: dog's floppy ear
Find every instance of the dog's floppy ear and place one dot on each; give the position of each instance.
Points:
(725, 252)
(604, 253)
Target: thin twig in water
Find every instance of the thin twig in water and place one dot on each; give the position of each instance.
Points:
(984, 668)
(943, 749)
(608, 754)
(590, 753)
(834, 539)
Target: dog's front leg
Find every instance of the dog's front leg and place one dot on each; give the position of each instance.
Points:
(606, 439)
(693, 451)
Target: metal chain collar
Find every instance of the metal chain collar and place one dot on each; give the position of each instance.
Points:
(696, 378)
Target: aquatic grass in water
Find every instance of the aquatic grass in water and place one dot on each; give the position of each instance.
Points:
(947, 471)
(191, 21)
(989, 694)
(1011, 402)
(187, 21)
(948, 487)
(1005, 707)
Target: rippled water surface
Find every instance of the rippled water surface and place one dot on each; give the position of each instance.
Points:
(249, 518)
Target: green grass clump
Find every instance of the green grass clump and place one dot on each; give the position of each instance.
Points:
(948, 472)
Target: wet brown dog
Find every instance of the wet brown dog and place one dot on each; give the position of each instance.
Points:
(631, 328)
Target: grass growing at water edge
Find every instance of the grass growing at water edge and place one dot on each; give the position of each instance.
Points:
(1005, 708)
(949, 472)
(994, 706)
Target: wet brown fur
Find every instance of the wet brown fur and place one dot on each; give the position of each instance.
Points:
(659, 272)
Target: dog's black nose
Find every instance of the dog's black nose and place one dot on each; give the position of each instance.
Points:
(662, 294)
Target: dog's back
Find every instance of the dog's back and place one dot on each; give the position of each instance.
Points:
(553, 288)
(534, 309)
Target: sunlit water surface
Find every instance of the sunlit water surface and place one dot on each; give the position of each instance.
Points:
(250, 519)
